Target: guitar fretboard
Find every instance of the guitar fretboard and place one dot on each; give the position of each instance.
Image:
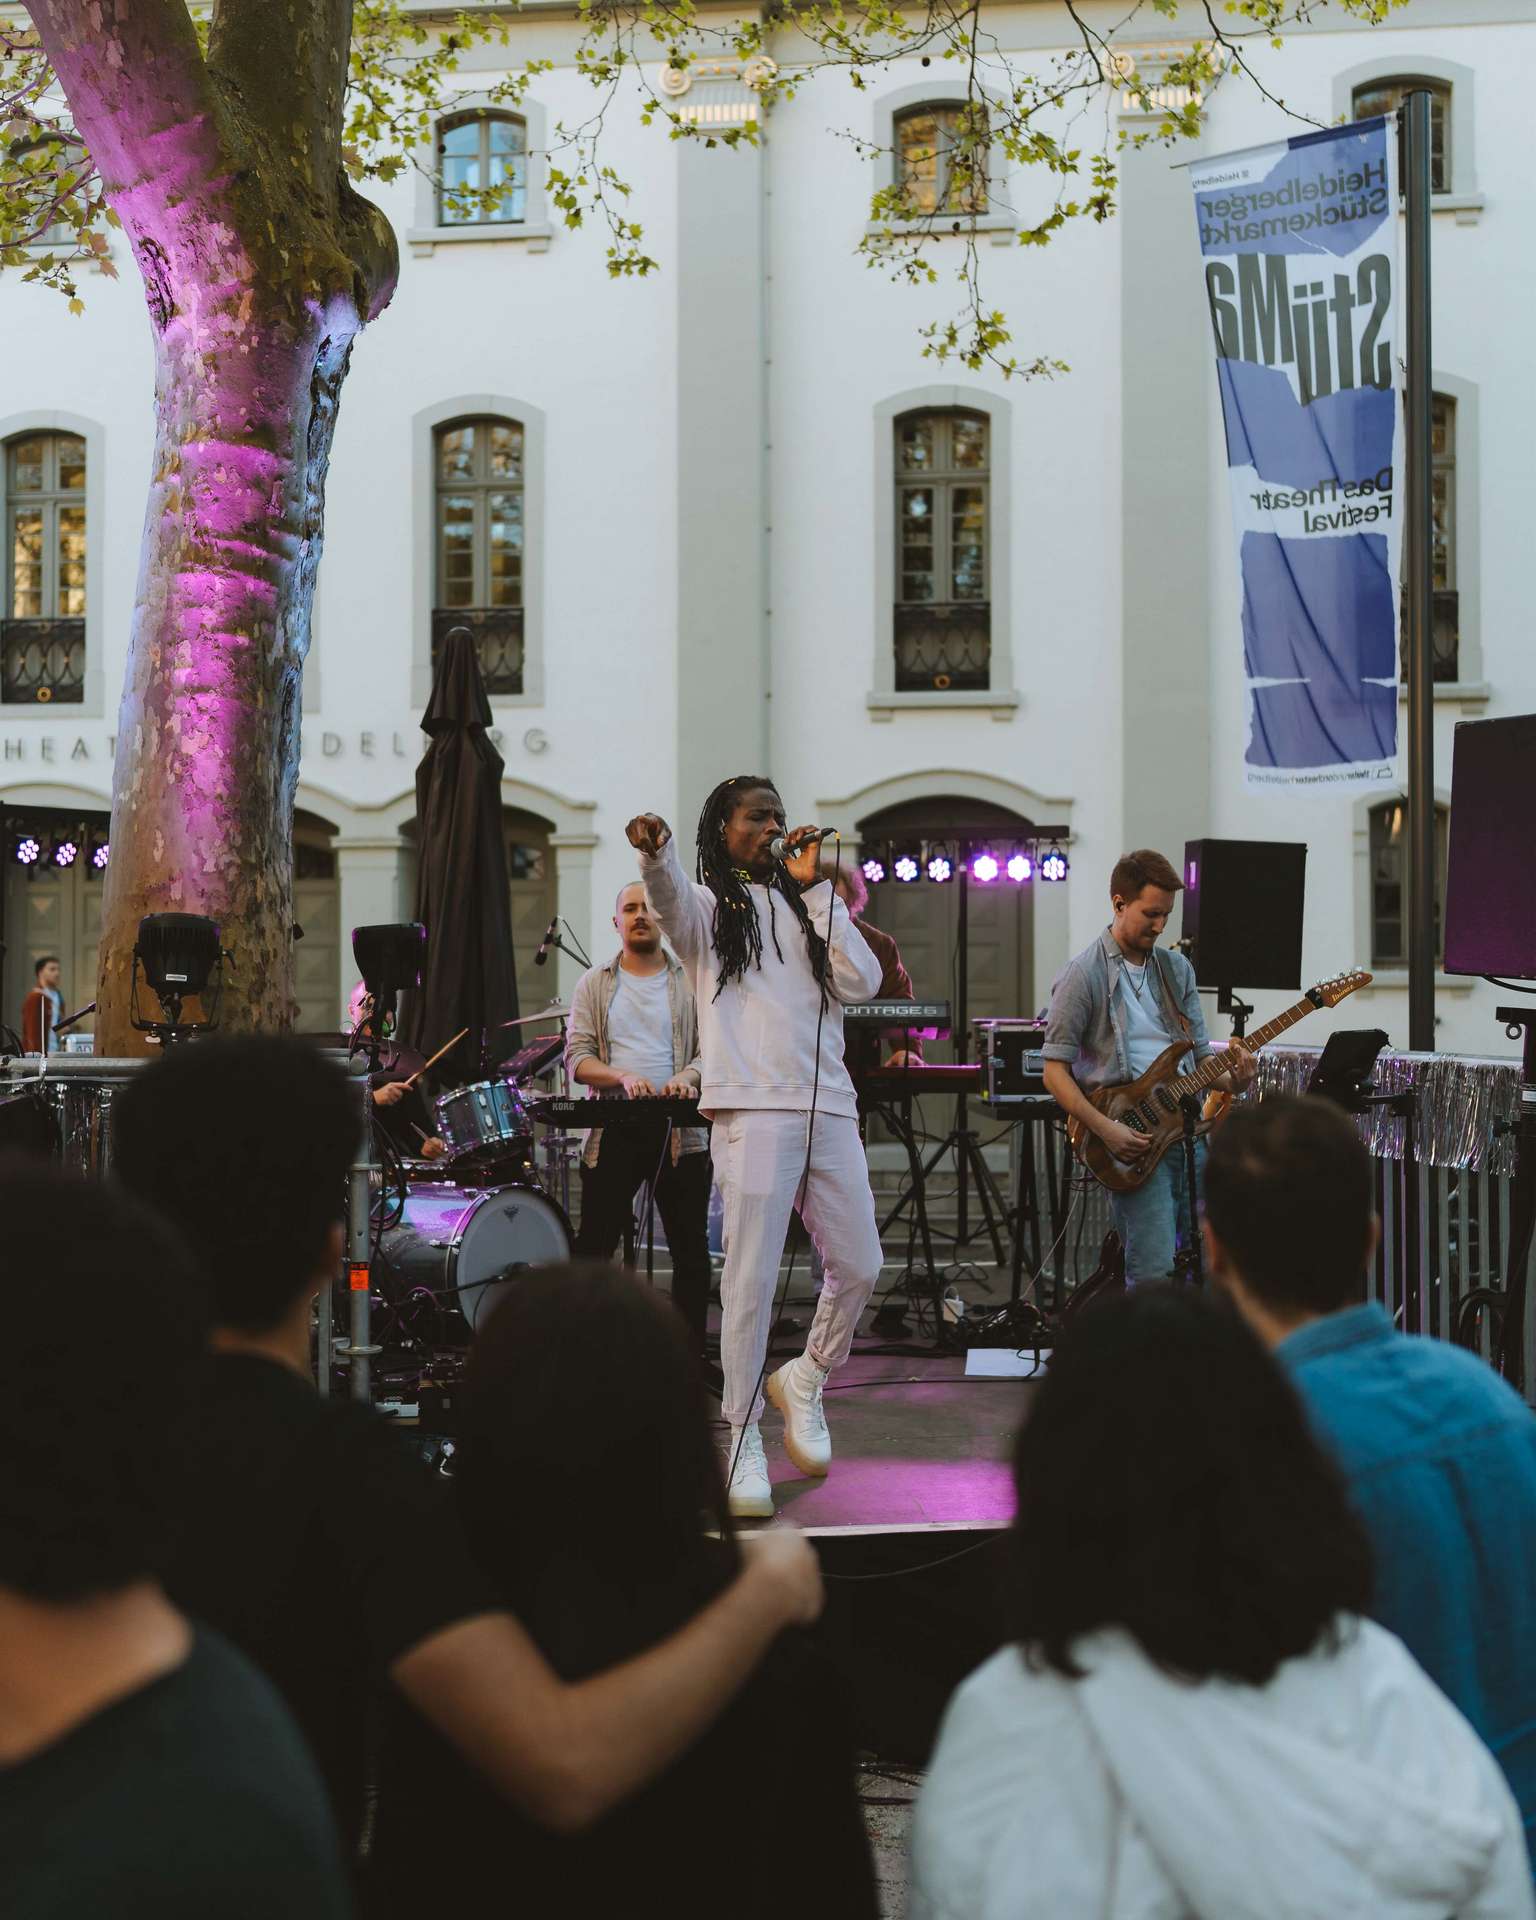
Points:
(1211, 1070)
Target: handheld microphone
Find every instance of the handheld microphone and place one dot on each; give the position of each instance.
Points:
(781, 847)
(547, 942)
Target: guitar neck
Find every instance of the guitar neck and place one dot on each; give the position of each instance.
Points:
(1212, 1069)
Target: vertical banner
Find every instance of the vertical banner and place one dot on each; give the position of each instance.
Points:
(1300, 244)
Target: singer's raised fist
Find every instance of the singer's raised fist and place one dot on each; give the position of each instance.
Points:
(649, 832)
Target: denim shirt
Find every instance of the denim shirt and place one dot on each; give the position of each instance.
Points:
(1440, 1457)
(1083, 1025)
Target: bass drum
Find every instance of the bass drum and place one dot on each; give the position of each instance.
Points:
(463, 1244)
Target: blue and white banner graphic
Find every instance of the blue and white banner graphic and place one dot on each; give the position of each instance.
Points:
(1300, 244)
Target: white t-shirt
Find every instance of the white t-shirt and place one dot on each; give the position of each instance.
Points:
(1142, 1014)
(640, 1027)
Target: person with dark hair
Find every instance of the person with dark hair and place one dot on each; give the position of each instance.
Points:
(583, 1379)
(43, 1008)
(864, 1046)
(1192, 1720)
(1114, 1009)
(146, 1769)
(772, 956)
(315, 1540)
(1439, 1453)
(634, 1031)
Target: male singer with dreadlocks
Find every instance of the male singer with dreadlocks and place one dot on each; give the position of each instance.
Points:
(772, 957)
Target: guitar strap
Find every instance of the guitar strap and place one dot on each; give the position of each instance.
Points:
(1170, 1001)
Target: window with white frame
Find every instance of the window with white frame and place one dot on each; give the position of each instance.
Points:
(1387, 96)
(42, 656)
(941, 158)
(482, 161)
(1389, 871)
(480, 544)
(942, 610)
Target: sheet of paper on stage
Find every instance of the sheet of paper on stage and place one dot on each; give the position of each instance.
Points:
(1003, 1363)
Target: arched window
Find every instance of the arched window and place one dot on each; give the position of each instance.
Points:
(44, 636)
(941, 158)
(1385, 96)
(1389, 880)
(482, 167)
(480, 544)
(943, 614)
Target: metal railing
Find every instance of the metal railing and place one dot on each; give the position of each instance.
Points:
(946, 646)
(42, 661)
(498, 635)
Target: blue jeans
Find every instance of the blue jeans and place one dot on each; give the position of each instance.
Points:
(1153, 1219)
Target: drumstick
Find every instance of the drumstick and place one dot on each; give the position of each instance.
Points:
(434, 1060)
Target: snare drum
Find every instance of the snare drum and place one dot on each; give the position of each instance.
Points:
(484, 1125)
(464, 1245)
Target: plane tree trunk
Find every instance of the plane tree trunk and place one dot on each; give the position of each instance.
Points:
(260, 265)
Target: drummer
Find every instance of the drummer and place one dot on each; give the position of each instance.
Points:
(400, 1110)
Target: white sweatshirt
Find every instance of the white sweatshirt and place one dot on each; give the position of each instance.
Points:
(1349, 1788)
(758, 1039)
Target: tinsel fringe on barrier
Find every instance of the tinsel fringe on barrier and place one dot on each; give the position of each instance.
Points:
(1460, 1098)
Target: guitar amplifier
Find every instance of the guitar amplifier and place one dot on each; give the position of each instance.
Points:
(1011, 1060)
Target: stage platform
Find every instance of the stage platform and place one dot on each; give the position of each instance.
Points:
(919, 1448)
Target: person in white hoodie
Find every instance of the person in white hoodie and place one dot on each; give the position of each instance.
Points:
(772, 957)
(1193, 1718)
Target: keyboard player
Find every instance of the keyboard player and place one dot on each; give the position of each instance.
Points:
(863, 1045)
(633, 1032)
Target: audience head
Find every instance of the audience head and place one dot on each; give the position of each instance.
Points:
(244, 1143)
(100, 1365)
(1290, 1216)
(582, 1382)
(1168, 1485)
(46, 971)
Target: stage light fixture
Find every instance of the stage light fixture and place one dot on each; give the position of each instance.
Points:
(873, 870)
(1053, 864)
(1019, 869)
(181, 958)
(985, 868)
(28, 851)
(100, 854)
(65, 853)
(940, 868)
(905, 868)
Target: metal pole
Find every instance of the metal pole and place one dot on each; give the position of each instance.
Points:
(962, 1042)
(359, 1248)
(1419, 585)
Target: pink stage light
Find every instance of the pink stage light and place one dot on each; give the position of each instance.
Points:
(1019, 870)
(985, 868)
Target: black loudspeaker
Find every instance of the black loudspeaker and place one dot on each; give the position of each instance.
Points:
(1490, 909)
(1242, 909)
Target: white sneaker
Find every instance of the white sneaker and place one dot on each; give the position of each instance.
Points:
(749, 1495)
(796, 1391)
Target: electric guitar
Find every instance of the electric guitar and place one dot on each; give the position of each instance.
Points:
(1153, 1105)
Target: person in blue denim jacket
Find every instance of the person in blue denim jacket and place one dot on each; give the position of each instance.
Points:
(1114, 1009)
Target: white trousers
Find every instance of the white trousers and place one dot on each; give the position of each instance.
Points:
(759, 1156)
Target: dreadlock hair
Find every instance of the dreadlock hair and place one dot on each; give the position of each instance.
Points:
(737, 935)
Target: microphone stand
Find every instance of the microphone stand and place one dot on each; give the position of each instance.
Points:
(1188, 1264)
(63, 1026)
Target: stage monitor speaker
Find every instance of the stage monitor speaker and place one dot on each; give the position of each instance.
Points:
(1490, 909)
(1242, 909)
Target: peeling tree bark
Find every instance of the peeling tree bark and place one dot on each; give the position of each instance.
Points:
(260, 266)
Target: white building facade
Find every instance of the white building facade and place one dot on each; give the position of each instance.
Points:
(729, 519)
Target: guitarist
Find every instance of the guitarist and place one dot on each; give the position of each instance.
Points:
(1114, 1009)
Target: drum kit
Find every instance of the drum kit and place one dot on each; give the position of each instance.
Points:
(497, 1202)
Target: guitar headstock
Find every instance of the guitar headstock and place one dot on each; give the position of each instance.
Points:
(1328, 993)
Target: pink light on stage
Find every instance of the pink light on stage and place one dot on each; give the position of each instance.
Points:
(905, 868)
(985, 868)
(1019, 870)
(101, 856)
(65, 853)
(873, 870)
(941, 868)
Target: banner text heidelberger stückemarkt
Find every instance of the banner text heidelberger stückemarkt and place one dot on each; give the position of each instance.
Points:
(1300, 244)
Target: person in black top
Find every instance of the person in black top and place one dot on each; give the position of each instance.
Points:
(147, 1770)
(399, 1106)
(315, 1539)
(582, 1379)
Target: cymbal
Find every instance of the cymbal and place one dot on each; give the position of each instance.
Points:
(556, 1010)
